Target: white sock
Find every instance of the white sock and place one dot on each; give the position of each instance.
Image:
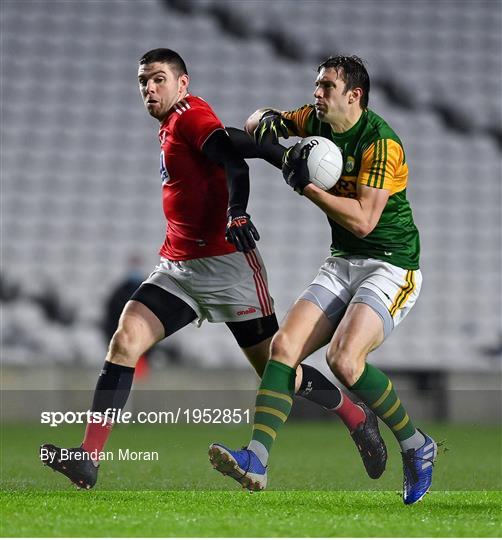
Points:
(415, 441)
(260, 450)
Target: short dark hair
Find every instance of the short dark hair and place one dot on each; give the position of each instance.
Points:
(167, 56)
(352, 71)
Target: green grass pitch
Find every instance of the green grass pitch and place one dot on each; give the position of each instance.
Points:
(317, 486)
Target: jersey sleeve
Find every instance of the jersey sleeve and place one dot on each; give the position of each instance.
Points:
(300, 118)
(196, 125)
(382, 166)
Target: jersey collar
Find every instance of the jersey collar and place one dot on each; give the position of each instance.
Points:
(171, 111)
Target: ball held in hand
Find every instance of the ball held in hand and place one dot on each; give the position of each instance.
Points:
(324, 161)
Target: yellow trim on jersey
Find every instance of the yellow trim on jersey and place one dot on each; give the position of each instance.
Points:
(404, 293)
(392, 410)
(381, 399)
(377, 169)
(383, 166)
(266, 429)
(277, 395)
(275, 412)
(400, 425)
(300, 118)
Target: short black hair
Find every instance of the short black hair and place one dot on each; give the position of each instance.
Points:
(352, 71)
(167, 56)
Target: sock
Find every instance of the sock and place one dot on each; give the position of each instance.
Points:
(259, 450)
(416, 441)
(273, 404)
(142, 369)
(112, 390)
(350, 414)
(96, 435)
(376, 390)
(317, 388)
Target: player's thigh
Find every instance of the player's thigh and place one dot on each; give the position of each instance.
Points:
(360, 331)
(305, 329)
(312, 320)
(172, 311)
(391, 291)
(317, 313)
(151, 315)
(138, 329)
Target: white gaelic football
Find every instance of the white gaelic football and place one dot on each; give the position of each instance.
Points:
(325, 161)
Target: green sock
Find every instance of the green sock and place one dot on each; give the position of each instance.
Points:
(273, 402)
(376, 390)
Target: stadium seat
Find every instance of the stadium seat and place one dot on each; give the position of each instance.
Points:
(80, 185)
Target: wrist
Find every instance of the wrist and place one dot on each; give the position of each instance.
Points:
(236, 211)
(310, 189)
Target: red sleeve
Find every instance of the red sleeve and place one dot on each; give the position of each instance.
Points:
(196, 124)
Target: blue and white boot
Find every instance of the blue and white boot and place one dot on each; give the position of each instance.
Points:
(241, 465)
(418, 466)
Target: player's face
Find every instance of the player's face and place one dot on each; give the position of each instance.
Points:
(331, 101)
(160, 88)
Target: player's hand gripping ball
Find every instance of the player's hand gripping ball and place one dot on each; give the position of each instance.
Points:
(315, 160)
(240, 230)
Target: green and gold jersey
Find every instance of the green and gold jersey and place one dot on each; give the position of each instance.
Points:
(372, 156)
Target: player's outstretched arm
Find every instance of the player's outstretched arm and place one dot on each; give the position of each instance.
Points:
(240, 230)
(248, 149)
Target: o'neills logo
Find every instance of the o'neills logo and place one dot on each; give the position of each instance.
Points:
(308, 148)
(247, 311)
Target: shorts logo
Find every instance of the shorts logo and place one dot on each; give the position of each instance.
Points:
(307, 390)
(247, 311)
(349, 164)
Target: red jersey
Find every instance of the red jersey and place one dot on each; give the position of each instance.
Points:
(194, 188)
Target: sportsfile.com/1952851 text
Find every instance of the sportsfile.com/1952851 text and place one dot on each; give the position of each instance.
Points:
(175, 416)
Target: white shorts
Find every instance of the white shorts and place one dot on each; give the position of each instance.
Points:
(227, 288)
(390, 290)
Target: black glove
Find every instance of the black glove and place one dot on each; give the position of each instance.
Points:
(270, 127)
(295, 169)
(240, 230)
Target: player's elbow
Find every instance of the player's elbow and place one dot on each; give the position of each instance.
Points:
(362, 229)
(250, 125)
(253, 121)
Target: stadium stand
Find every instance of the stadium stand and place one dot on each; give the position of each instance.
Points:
(80, 186)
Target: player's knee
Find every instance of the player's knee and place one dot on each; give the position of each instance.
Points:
(344, 362)
(281, 348)
(121, 349)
